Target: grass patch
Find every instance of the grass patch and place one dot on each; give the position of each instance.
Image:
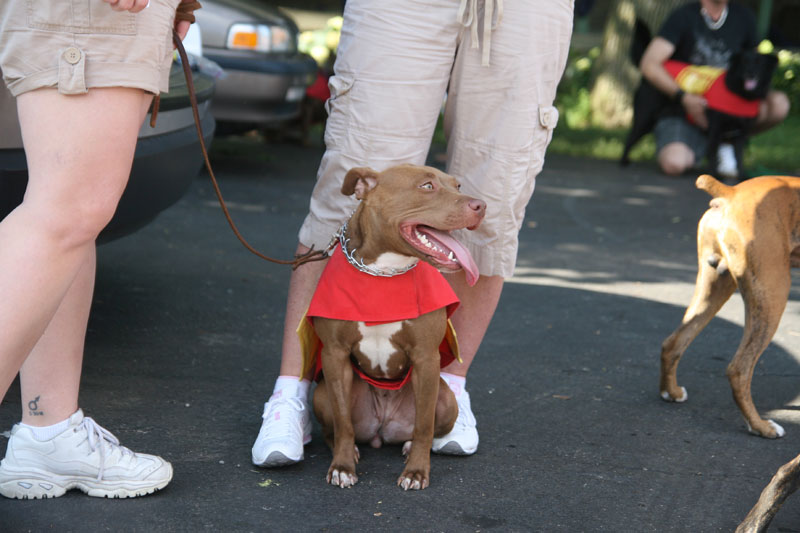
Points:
(772, 152)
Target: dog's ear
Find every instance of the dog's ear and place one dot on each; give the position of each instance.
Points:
(360, 181)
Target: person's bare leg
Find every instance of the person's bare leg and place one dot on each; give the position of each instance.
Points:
(773, 111)
(286, 419)
(50, 376)
(675, 158)
(79, 150)
(471, 321)
(301, 288)
(472, 318)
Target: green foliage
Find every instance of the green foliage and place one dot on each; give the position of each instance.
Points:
(774, 151)
(321, 44)
(572, 98)
(787, 78)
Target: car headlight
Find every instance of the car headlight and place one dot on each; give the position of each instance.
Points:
(260, 37)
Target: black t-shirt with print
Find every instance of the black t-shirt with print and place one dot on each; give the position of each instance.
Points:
(698, 44)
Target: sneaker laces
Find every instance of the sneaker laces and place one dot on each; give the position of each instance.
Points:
(465, 417)
(97, 437)
(278, 425)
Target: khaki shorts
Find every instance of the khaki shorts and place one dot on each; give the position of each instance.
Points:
(78, 44)
(396, 61)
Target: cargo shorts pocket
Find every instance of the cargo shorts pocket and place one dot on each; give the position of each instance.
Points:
(79, 16)
(543, 134)
(338, 87)
(336, 107)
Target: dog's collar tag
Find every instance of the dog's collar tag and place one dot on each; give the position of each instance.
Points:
(358, 263)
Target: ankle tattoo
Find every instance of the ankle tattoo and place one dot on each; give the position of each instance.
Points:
(33, 407)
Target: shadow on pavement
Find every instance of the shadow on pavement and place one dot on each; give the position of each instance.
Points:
(184, 346)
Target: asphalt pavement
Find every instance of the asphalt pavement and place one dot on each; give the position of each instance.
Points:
(183, 349)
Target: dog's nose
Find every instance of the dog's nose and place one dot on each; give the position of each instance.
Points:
(479, 206)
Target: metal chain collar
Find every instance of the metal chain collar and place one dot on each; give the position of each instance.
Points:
(358, 263)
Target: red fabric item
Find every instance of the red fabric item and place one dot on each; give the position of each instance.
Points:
(346, 293)
(718, 96)
(319, 89)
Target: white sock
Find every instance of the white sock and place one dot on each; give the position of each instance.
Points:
(456, 383)
(44, 433)
(291, 387)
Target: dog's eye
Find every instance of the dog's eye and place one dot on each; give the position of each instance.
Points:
(427, 186)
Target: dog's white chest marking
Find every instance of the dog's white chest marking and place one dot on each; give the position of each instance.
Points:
(375, 343)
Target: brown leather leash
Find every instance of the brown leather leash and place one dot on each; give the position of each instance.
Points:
(184, 12)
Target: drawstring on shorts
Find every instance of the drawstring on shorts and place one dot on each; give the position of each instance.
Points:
(469, 20)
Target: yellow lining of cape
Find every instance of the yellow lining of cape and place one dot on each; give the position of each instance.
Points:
(309, 343)
(696, 79)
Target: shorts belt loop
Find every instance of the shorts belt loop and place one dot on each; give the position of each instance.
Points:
(71, 75)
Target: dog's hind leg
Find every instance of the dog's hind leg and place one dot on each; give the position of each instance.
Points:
(765, 289)
(713, 288)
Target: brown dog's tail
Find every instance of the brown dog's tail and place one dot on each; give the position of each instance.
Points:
(713, 187)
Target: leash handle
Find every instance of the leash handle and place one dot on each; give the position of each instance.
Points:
(311, 255)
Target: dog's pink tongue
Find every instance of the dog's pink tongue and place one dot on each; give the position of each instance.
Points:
(462, 255)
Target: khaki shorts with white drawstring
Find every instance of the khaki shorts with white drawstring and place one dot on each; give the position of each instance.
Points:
(398, 58)
(74, 45)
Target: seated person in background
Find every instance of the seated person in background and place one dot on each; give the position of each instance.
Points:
(708, 32)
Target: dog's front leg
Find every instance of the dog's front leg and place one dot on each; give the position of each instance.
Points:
(425, 383)
(339, 380)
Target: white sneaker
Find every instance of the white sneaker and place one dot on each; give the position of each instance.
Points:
(726, 158)
(285, 430)
(463, 438)
(85, 456)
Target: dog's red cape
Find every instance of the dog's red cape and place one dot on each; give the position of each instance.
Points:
(710, 83)
(345, 293)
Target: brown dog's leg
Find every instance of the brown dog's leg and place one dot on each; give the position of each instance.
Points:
(425, 381)
(765, 289)
(446, 411)
(713, 288)
(783, 483)
(339, 381)
(324, 414)
(323, 411)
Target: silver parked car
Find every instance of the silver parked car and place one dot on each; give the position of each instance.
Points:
(265, 76)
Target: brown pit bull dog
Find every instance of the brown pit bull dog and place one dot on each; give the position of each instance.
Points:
(380, 312)
(750, 239)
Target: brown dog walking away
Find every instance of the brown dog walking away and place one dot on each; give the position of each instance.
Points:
(381, 313)
(750, 239)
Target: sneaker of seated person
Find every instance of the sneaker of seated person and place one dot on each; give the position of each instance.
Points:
(83, 456)
(463, 438)
(285, 429)
(727, 167)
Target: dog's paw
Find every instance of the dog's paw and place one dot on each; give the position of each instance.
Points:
(680, 399)
(779, 431)
(341, 478)
(772, 430)
(413, 481)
